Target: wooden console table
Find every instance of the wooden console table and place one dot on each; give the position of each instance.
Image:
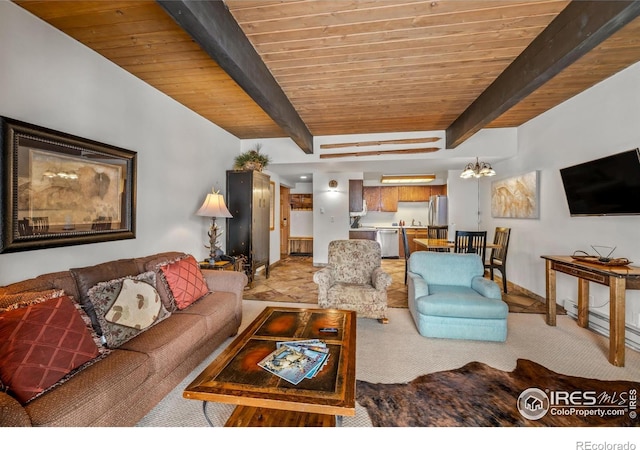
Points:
(618, 278)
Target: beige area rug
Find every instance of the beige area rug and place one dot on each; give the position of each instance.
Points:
(396, 353)
(291, 280)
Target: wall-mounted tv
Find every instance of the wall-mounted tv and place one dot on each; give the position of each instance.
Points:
(605, 186)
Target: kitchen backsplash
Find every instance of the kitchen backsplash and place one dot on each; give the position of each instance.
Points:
(407, 211)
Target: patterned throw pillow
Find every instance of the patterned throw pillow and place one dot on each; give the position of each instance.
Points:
(137, 305)
(6, 300)
(125, 307)
(42, 342)
(185, 281)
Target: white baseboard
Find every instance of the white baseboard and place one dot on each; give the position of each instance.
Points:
(599, 323)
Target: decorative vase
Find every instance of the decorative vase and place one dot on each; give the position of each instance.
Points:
(252, 165)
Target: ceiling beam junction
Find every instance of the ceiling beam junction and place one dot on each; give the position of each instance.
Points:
(579, 28)
(214, 28)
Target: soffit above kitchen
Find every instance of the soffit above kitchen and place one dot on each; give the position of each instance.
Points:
(361, 67)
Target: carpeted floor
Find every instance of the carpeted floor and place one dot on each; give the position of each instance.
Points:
(396, 353)
(291, 280)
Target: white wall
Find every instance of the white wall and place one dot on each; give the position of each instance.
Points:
(51, 80)
(599, 122)
(330, 212)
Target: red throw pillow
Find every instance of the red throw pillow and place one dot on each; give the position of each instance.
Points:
(40, 343)
(185, 281)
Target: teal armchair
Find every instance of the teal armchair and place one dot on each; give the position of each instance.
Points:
(450, 298)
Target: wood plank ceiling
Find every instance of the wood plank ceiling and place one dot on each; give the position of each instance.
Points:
(346, 66)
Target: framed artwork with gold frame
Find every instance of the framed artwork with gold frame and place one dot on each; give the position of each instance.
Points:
(58, 189)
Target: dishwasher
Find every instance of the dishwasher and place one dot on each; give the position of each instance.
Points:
(389, 242)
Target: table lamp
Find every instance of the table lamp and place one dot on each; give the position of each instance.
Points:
(213, 207)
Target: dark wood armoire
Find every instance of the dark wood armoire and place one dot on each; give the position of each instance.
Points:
(248, 201)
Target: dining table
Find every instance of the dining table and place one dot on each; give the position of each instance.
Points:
(443, 244)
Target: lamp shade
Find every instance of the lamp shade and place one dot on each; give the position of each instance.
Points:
(214, 206)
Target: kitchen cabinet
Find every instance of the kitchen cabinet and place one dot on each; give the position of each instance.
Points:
(355, 196)
(389, 198)
(420, 193)
(381, 198)
(249, 197)
(412, 233)
(301, 201)
(372, 196)
(414, 193)
(439, 189)
(371, 235)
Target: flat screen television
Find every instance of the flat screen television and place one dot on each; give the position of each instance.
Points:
(608, 186)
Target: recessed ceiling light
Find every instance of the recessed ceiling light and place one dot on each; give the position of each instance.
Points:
(304, 177)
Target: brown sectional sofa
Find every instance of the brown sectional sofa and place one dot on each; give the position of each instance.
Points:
(119, 389)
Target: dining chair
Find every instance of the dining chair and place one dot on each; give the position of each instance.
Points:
(438, 232)
(471, 242)
(407, 252)
(498, 258)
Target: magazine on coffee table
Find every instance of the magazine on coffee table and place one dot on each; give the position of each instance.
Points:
(296, 360)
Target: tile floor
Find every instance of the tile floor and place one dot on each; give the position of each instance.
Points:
(291, 280)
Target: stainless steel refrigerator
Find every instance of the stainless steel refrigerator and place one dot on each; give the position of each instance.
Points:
(438, 210)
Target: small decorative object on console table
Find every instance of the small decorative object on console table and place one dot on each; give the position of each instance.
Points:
(213, 207)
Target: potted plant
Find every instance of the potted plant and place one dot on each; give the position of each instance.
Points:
(252, 160)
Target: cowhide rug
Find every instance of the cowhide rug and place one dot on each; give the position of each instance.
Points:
(477, 395)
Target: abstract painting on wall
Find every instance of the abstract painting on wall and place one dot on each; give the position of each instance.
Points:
(516, 197)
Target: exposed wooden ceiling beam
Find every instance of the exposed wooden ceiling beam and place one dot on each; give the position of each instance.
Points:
(213, 27)
(404, 151)
(390, 141)
(580, 27)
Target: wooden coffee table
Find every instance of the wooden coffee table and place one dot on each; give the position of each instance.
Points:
(265, 399)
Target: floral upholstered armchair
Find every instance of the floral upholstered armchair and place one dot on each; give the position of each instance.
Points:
(353, 279)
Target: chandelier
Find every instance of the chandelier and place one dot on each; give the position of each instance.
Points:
(477, 170)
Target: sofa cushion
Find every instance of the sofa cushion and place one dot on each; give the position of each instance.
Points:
(109, 382)
(215, 307)
(40, 343)
(185, 281)
(125, 307)
(88, 277)
(6, 300)
(460, 301)
(168, 342)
